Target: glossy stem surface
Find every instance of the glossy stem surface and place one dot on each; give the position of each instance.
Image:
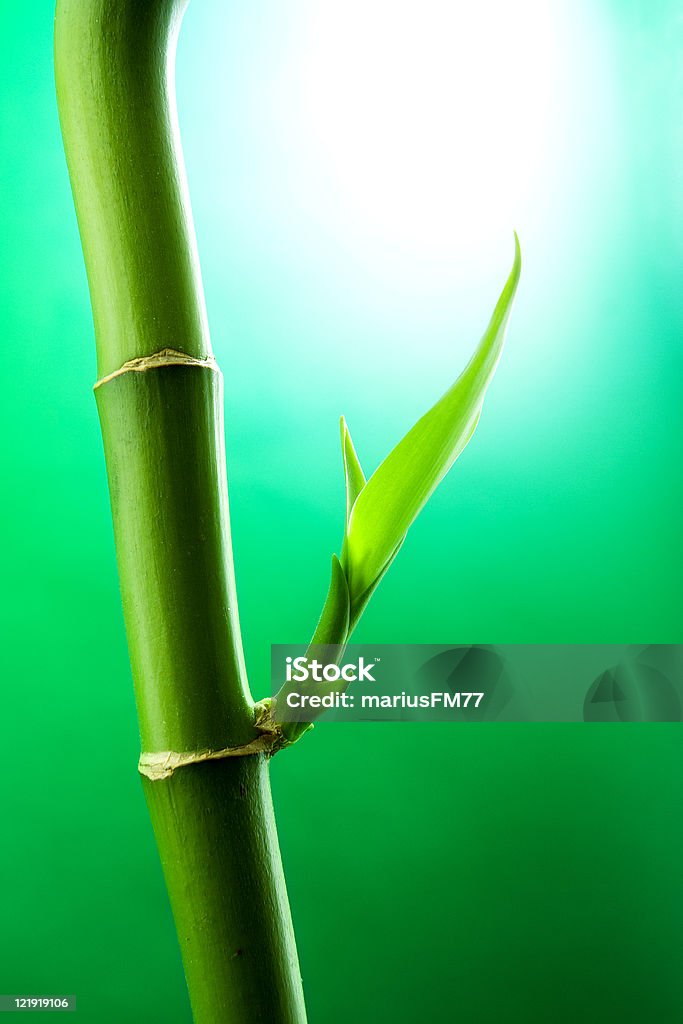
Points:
(161, 410)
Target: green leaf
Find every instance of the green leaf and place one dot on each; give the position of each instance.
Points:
(360, 600)
(396, 492)
(354, 479)
(333, 624)
(328, 644)
(353, 473)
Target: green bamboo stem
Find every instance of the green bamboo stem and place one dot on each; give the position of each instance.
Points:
(160, 405)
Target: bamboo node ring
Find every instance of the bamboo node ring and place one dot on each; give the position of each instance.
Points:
(165, 357)
(161, 764)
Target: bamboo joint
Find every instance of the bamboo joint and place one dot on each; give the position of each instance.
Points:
(162, 764)
(164, 357)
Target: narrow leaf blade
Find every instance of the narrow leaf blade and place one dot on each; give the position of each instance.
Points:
(353, 472)
(328, 643)
(393, 496)
(333, 624)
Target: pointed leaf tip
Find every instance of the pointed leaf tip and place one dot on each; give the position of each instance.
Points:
(389, 502)
(354, 477)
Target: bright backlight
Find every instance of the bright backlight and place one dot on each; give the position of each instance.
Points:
(433, 117)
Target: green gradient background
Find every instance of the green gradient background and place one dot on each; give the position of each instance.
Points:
(502, 873)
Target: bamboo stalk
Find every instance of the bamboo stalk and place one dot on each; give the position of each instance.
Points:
(160, 403)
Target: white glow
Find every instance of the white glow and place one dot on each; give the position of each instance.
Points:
(433, 118)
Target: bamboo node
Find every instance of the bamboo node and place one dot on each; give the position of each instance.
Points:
(160, 765)
(165, 357)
